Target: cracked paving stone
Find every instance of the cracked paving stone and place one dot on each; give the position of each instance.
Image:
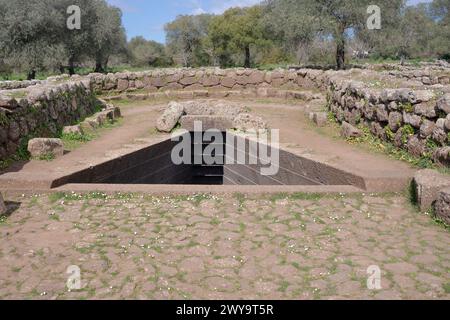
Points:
(222, 247)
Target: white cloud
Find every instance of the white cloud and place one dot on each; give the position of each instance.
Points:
(198, 10)
(219, 6)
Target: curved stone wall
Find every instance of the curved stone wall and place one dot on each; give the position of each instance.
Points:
(42, 111)
(416, 119)
(207, 79)
(400, 106)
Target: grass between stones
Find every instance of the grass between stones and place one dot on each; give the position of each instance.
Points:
(374, 144)
(70, 141)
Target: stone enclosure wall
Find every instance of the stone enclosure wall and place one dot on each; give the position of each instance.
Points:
(208, 79)
(42, 110)
(408, 107)
(416, 119)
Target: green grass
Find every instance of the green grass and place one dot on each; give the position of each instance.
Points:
(447, 287)
(375, 144)
(70, 141)
(46, 157)
(73, 141)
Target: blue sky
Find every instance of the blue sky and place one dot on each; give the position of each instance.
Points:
(148, 17)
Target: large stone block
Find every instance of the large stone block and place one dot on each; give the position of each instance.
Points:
(208, 122)
(349, 131)
(247, 122)
(73, 130)
(442, 206)
(442, 156)
(228, 82)
(170, 117)
(443, 104)
(122, 85)
(395, 121)
(428, 183)
(42, 147)
(320, 119)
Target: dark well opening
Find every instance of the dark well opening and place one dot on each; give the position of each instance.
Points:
(154, 165)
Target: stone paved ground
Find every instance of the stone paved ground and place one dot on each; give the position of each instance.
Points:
(222, 247)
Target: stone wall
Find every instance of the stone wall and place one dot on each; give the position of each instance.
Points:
(42, 110)
(426, 76)
(11, 85)
(207, 79)
(416, 119)
(407, 106)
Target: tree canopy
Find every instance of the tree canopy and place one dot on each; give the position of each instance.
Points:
(34, 36)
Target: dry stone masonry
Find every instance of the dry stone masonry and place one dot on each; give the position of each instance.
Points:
(220, 115)
(407, 106)
(42, 110)
(45, 147)
(442, 206)
(411, 115)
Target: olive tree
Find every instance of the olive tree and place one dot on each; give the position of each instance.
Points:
(184, 38)
(237, 30)
(28, 33)
(147, 53)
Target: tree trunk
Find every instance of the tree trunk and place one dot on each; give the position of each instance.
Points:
(101, 63)
(247, 57)
(340, 47)
(99, 66)
(31, 74)
(71, 65)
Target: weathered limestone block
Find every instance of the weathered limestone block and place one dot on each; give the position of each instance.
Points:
(211, 81)
(428, 183)
(442, 205)
(73, 130)
(208, 122)
(320, 119)
(395, 121)
(425, 109)
(41, 147)
(439, 135)
(382, 114)
(247, 122)
(442, 156)
(8, 102)
(139, 84)
(188, 81)
(447, 123)
(116, 111)
(256, 77)
(443, 104)
(3, 208)
(158, 82)
(228, 82)
(427, 128)
(388, 95)
(122, 85)
(412, 119)
(194, 87)
(220, 108)
(349, 131)
(417, 147)
(170, 117)
(377, 130)
(423, 96)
